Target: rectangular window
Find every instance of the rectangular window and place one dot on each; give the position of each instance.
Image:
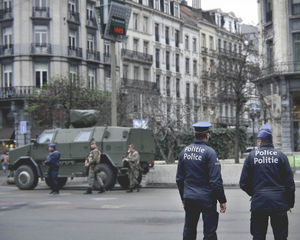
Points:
(136, 72)
(296, 40)
(219, 45)
(157, 4)
(135, 21)
(162, 5)
(176, 12)
(72, 6)
(146, 74)
(195, 68)
(167, 6)
(187, 92)
(195, 92)
(167, 35)
(91, 42)
(211, 43)
(135, 44)
(92, 78)
(177, 87)
(89, 12)
(176, 38)
(146, 47)
(7, 81)
(106, 48)
(167, 60)
(186, 42)
(41, 74)
(168, 87)
(40, 3)
(194, 45)
(296, 7)
(203, 40)
(156, 32)
(268, 11)
(145, 25)
(125, 71)
(204, 64)
(157, 80)
(157, 56)
(150, 3)
(41, 35)
(7, 37)
(187, 66)
(73, 71)
(225, 46)
(83, 136)
(177, 63)
(72, 39)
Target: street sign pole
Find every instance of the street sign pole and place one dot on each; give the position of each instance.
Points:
(113, 83)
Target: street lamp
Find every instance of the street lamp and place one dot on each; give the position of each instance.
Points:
(254, 113)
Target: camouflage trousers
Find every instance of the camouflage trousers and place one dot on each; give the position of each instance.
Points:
(133, 174)
(94, 175)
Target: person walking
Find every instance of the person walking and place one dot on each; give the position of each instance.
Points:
(92, 161)
(52, 162)
(133, 160)
(268, 179)
(200, 185)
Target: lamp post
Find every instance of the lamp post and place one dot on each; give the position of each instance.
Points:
(254, 113)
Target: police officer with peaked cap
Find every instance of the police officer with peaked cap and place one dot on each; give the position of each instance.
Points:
(267, 177)
(52, 162)
(200, 185)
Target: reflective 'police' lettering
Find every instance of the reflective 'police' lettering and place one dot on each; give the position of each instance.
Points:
(192, 156)
(197, 149)
(265, 156)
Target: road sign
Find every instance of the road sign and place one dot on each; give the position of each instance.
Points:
(140, 123)
(23, 127)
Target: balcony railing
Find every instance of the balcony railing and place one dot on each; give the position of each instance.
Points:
(204, 50)
(16, 92)
(93, 55)
(41, 12)
(231, 121)
(74, 17)
(209, 74)
(6, 14)
(92, 22)
(105, 58)
(41, 48)
(281, 68)
(7, 50)
(74, 52)
(137, 56)
(139, 84)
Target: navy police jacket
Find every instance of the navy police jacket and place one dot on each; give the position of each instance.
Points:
(53, 159)
(267, 177)
(199, 175)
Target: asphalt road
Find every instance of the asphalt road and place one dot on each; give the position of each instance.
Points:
(148, 215)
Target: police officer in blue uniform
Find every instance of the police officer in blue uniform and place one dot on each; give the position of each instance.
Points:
(267, 177)
(52, 162)
(200, 185)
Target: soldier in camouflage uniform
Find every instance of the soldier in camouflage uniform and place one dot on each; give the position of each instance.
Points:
(92, 161)
(133, 159)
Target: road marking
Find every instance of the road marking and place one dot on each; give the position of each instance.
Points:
(103, 199)
(112, 206)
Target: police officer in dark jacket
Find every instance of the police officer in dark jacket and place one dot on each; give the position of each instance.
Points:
(200, 185)
(52, 162)
(267, 177)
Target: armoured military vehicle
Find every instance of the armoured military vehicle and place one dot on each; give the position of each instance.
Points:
(27, 162)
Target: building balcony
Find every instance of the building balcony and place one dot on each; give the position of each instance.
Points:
(204, 50)
(74, 17)
(231, 121)
(7, 93)
(74, 52)
(92, 23)
(209, 75)
(141, 85)
(105, 58)
(137, 56)
(279, 68)
(41, 13)
(6, 14)
(93, 55)
(7, 50)
(41, 49)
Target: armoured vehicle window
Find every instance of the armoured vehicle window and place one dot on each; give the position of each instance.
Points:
(83, 136)
(45, 138)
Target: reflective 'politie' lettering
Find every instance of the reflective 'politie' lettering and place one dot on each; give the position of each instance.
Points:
(265, 156)
(190, 153)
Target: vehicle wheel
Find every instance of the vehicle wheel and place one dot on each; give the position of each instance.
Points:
(123, 180)
(61, 182)
(145, 167)
(25, 178)
(107, 175)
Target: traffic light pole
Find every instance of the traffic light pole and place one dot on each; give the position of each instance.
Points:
(113, 83)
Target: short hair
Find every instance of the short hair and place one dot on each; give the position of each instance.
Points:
(131, 145)
(201, 135)
(263, 140)
(93, 142)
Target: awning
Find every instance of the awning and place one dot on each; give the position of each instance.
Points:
(6, 134)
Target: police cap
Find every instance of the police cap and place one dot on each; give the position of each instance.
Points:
(201, 127)
(265, 134)
(52, 145)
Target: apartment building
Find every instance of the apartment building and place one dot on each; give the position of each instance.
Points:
(279, 27)
(44, 39)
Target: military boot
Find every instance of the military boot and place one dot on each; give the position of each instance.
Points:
(102, 190)
(88, 191)
(130, 190)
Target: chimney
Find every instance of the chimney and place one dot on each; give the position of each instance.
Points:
(196, 4)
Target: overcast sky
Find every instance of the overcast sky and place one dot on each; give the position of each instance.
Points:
(244, 9)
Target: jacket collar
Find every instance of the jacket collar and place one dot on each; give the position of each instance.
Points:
(266, 145)
(197, 141)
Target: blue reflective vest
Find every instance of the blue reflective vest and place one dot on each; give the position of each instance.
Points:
(267, 177)
(199, 175)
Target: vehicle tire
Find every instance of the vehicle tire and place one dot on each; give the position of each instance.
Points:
(123, 180)
(25, 178)
(107, 175)
(61, 182)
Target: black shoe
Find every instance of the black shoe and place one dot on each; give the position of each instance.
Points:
(55, 192)
(102, 190)
(129, 190)
(51, 192)
(88, 191)
(137, 189)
